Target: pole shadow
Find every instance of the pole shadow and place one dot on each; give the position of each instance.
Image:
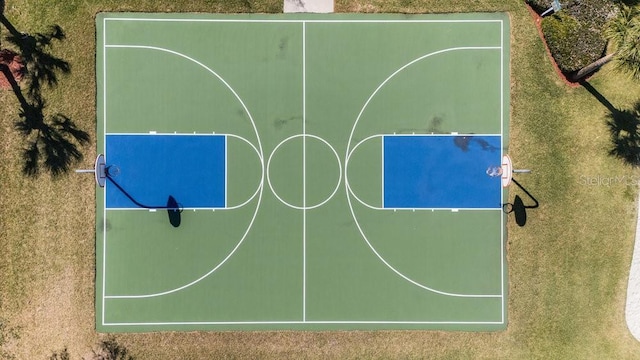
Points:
(174, 209)
(518, 207)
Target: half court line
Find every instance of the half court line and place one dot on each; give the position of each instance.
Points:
(304, 173)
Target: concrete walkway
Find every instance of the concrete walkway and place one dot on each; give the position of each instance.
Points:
(308, 6)
(633, 289)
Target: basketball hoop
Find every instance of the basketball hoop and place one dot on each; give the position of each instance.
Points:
(99, 170)
(507, 170)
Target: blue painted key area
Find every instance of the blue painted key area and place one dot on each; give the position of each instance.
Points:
(191, 168)
(430, 172)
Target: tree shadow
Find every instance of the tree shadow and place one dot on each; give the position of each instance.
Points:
(624, 127)
(629, 2)
(603, 100)
(41, 66)
(51, 140)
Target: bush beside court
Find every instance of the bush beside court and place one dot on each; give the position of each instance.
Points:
(575, 34)
(568, 267)
(572, 42)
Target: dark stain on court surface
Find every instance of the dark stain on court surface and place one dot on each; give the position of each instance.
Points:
(463, 142)
(433, 126)
(242, 114)
(283, 47)
(279, 123)
(105, 225)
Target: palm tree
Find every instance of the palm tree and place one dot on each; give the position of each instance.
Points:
(623, 33)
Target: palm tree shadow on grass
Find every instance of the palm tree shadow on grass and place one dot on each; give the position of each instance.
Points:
(41, 66)
(51, 141)
(624, 126)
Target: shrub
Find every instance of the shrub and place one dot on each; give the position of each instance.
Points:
(539, 6)
(574, 34)
(573, 44)
(109, 349)
(593, 14)
(61, 355)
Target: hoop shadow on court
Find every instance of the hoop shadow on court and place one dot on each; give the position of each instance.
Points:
(174, 209)
(518, 208)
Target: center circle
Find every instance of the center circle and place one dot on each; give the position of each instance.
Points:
(304, 171)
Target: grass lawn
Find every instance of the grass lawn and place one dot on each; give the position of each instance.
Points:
(568, 267)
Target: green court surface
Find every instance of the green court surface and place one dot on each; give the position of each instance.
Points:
(304, 242)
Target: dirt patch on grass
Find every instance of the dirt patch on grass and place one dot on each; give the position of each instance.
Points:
(14, 63)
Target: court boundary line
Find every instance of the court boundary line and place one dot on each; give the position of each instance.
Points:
(295, 21)
(258, 139)
(104, 144)
(310, 322)
(502, 110)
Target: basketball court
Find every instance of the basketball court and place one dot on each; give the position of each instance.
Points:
(301, 172)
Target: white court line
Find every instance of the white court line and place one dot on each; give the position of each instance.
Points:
(439, 135)
(104, 144)
(314, 206)
(502, 239)
(304, 172)
(443, 209)
(298, 21)
(155, 209)
(167, 134)
(317, 322)
(382, 176)
(226, 172)
(275, 21)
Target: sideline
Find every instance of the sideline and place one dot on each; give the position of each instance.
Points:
(632, 310)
